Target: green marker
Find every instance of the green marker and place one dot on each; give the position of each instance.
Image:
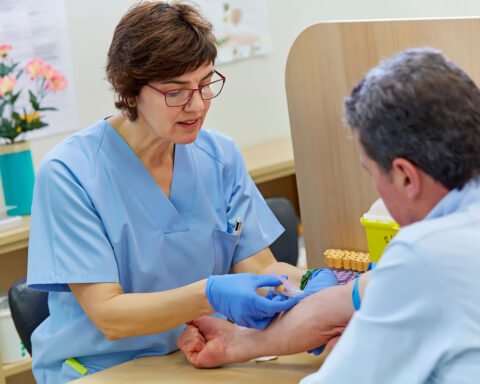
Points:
(76, 365)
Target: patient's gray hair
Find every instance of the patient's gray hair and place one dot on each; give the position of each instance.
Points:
(420, 106)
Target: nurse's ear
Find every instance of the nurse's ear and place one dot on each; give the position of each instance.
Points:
(131, 101)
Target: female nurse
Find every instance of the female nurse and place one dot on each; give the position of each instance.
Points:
(138, 219)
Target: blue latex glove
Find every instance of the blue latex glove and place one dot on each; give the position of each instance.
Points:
(317, 351)
(321, 279)
(235, 296)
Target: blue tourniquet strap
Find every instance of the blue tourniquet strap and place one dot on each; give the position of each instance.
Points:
(355, 295)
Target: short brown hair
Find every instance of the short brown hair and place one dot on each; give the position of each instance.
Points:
(156, 41)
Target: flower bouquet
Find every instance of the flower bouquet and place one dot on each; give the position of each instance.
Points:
(15, 120)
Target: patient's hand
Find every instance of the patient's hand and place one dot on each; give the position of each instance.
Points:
(317, 320)
(209, 342)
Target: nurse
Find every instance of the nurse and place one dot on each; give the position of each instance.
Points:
(138, 219)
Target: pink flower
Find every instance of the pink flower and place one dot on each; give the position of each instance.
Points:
(5, 50)
(6, 84)
(48, 72)
(35, 68)
(57, 83)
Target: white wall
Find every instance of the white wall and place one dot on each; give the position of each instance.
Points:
(252, 109)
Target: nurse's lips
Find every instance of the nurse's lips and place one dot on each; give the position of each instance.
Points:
(190, 124)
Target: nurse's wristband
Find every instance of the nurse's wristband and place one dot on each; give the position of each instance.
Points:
(305, 278)
(356, 295)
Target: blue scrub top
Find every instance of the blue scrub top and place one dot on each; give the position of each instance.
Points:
(98, 216)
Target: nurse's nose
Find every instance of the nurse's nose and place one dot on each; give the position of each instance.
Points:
(196, 103)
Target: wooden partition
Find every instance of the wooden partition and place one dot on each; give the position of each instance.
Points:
(326, 61)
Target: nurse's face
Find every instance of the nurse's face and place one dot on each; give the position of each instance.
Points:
(179, 125)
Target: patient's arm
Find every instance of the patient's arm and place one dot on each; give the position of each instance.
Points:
(316, 320)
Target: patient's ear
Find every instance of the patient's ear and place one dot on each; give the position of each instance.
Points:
(406, 176)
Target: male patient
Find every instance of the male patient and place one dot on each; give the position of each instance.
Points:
(416, 120)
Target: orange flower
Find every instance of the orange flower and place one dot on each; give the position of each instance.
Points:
(6, 84)
(35, 68)
(5, 50)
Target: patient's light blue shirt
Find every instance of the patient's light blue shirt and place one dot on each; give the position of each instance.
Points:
(98, 216)
(420, 317)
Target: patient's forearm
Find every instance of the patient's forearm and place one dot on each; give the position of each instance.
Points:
(309, 324)
(312, 322)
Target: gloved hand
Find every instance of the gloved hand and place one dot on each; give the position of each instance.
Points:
(236, 297)
(317, 351)
(320, 279)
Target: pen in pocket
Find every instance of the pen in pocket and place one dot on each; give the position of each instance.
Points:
(237, 229)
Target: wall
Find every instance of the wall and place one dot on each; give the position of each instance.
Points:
(252, 109)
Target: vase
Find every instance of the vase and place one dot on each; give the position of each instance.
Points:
(18, 177)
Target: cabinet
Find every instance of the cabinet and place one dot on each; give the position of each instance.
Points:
(13, 267)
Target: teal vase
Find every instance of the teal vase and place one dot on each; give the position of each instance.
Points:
(18, 177)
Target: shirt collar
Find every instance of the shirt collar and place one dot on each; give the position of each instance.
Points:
(457, 199)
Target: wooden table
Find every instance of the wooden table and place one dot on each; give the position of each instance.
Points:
(175, 368)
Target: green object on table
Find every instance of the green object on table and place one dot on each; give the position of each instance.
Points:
(18, 178)
(305, 278)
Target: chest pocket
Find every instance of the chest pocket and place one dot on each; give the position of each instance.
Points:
(224, 245)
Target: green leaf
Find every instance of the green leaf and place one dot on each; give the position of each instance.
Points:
(14, 97)
(35, 124)
(7, 69)
(12, 68)
(2, 107)
(3, 69)
(13, 136)
(20, 72)
(6, 125)
(48, 109)
(7, 130)
(17, 118)
(34, 101)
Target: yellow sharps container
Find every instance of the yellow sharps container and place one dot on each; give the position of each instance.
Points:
(380, 229)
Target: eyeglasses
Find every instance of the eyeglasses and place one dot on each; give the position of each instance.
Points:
(181, 97)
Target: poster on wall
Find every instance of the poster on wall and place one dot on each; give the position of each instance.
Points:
(240, 26)
(38, 30)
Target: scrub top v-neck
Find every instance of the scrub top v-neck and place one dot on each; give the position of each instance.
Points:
(176, 209)
(99, 216)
